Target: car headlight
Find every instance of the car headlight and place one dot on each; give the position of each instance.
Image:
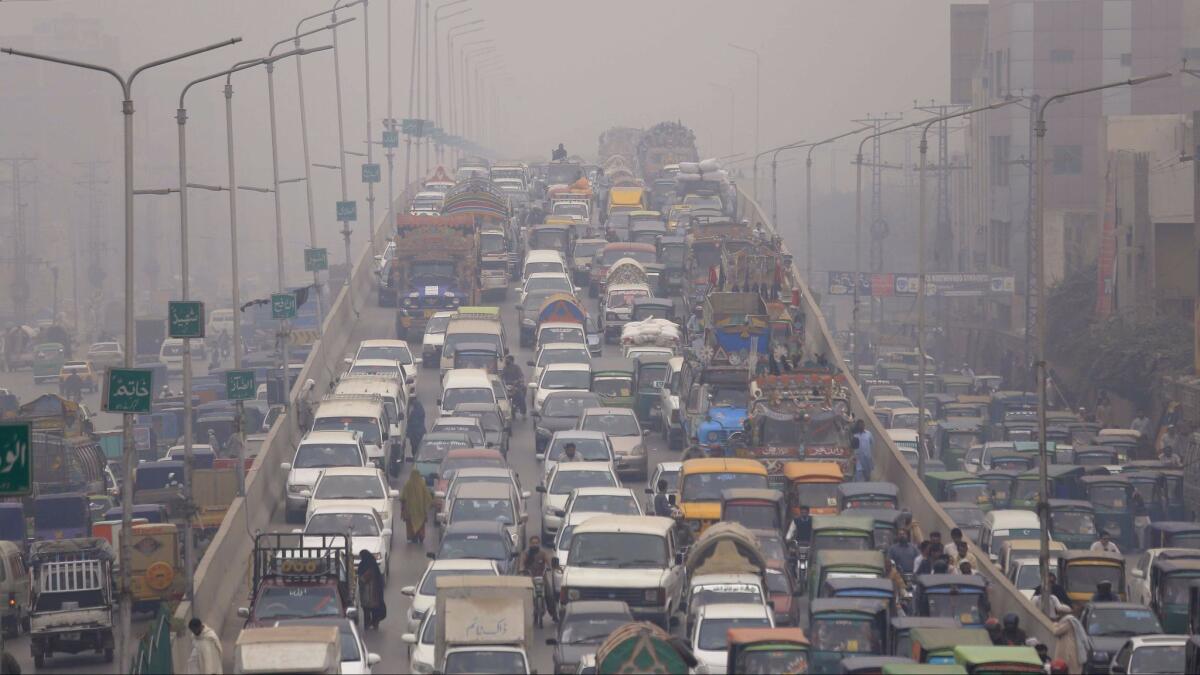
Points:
(1100, 656)
(572, 593)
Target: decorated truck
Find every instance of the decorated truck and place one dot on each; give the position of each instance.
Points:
(479, 200)
(618, 142)
(663, 144)
(799, 415)
(707, 241)
(714, 401)
(737, 328)
(436, 269)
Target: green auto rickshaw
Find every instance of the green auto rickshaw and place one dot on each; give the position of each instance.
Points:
(934, 403)
(613, 381)
(842, 533)
(827, 565)
(936, 645)
(1173, 534)
(1008, 660)
(955, 436)
(958, 486)
(1169, 584)
(48, 359)
(1152, 485)
(887, 523)
(1064, 482)
(902, 627)
(650, 372)
(767, 650)
(1112, 497)
(956, 596)
(922, 669)
(845, 627)
(1012, 460)
(1001, 485)
(1096, 455)
(1073, 522)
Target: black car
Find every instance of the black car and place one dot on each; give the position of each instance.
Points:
(560, 412)
(583, 626)
(528, 313)
(479, 540)
(1103, 628)
(495, 430)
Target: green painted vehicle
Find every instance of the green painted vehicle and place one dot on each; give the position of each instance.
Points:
(842, 533)
(958, 486)
(955, 436)
(1001, 485)
(983, 660)
(827, 565)
(1064, 484)
(1112, 497)
(936, 645)
(48, 359)
(650, 373)
(846, 627)
(613, 382)
(922, 669)
(1073, 522)
(1169, 584)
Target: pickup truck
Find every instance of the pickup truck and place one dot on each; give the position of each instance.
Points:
(71, 598)
(298, 576)
(484, 624)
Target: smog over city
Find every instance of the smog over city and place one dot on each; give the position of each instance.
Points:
(364, 282)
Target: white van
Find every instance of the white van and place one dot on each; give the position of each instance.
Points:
(170, 354)
(395, 401)
(393, 350)
(383, 368)
(220, 321)
(365, 414)
(1004, 525)
(465, 385)
(470, 328)
(543, 260)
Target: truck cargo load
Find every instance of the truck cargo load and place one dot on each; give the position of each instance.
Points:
(477, 612)
(662, 144)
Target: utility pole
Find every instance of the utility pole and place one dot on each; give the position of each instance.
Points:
(20, 253)
(879, 225)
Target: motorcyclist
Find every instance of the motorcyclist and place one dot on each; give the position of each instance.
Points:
(73, 387)
(535, 561)
(558, 153)
(513, 377)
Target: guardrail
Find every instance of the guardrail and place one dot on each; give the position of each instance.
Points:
(222, 575)
(891, 465)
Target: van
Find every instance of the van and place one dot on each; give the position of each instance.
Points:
(395, 402)
(363, 413)
(476, 327)
(14, 588)
(465, 385)
(543, 260)
(1004, 525)
(170, 354)
(220, 321)
(387, 368)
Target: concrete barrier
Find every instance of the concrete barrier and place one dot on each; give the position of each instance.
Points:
(222, 577)
(891, 466)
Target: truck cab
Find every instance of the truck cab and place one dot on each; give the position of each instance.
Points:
(298, 576)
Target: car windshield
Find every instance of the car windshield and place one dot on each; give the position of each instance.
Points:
(452, 398)
(565, 481)
(612, 386)
(961, 606)
(429, 584)
(702, 202)
(555, 334)
(555, 283)
(492, 242)
(354, 523)
(549, 356)
(373, 369)
(499, 510)
(1028, 578)
(1122, 621)
(437, 325)
(367, 426)
(484, 661)
(623, 298)
(904, 421)
(1165, 659)
(617, 505)
(488, 419)
(730, 397)
(453, 340)
(472, 431)
(349, 487)
(325, 455)
(590, 630)
(1085, 578)
(816, 495)
(587, 249)
(1108, 496)
(672, 478)
(777, 659)
(565, 379)
(611, 256)
(1073, 522)
(568, 209)
(707, 487)
(569, 405)
(297, 602)
(434, 449)
(714, 633)
(484, 546)
(612, 424)
(618, 550)
(586, 449)
(103, 347)
(849, 636)
(966, 517)
(970, 492)
(552, 266)
(387, 353)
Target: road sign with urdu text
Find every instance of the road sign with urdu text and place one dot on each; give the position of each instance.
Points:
(185, 319)
(16, 460)
(128, 390)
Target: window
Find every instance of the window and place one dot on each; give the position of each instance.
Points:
(1062, 55)
(999, 160)
(1068, 160)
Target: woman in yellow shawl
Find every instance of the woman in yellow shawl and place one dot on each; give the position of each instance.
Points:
(415, 506)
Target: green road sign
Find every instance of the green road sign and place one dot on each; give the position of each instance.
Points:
(240, 385)
(185, 319)
(16, 462)
(347, 210)
(128, 390)
(370, 173)
(283, 305)
(316, 259)
(391, 139)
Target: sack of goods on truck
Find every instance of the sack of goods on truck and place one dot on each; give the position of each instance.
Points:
(658, 332)
(689, 167)
(709, 165)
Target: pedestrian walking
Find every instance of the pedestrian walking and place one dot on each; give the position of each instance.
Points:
(370, 589)
(864, 460)
(205, 658)
(416, 501)
(415, 432)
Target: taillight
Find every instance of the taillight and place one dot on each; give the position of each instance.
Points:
(12, 599)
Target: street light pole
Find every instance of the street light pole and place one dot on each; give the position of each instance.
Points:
(453, 33)
(757, 103)
(808, 223)
(437, 72)
(127, 451)
(732, 100)
(1043, 371)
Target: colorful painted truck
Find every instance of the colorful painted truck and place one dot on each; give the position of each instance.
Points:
(436, 269)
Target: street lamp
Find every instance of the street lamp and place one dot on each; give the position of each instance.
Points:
(437, 71)
(757, 102)
(452, 34)
(1039, 162)
(127, 453)
(732, 103)
(468, 58)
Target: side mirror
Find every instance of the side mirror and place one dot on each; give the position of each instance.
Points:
(410, 591)
(541, 456)
(525, 495)
(560, 513)
(407, 638)
(349, 360)
(431, 555)
(286, 466)
(541, 488)
(394, 494)
(351, 612)
(243, 612)
(387, 532)
(307, 494)
(419, 360)
(373, 659)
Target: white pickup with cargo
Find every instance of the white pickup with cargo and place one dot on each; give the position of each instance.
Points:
(288, 649)
(71, 598)
(484, 624)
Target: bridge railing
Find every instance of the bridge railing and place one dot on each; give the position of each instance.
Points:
(891, 465)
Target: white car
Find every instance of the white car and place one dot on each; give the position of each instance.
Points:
(462, 425)
(104, 354)
(392, 350)
(710, 636)
(628, 439)
(1145, 654)
(664, 471)
(614, 501)
(318, 451)
(421, 644)
(346, 486)
(556, 352)
(364, 525)
(1139, 572)
(385, 368)
(356, 660)
(906, 442)
(557, 282)
(435, 337)
(722, 589)
(561, 377)
(425, 591)
(170, 354)
(590, 446)
(566, 477)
